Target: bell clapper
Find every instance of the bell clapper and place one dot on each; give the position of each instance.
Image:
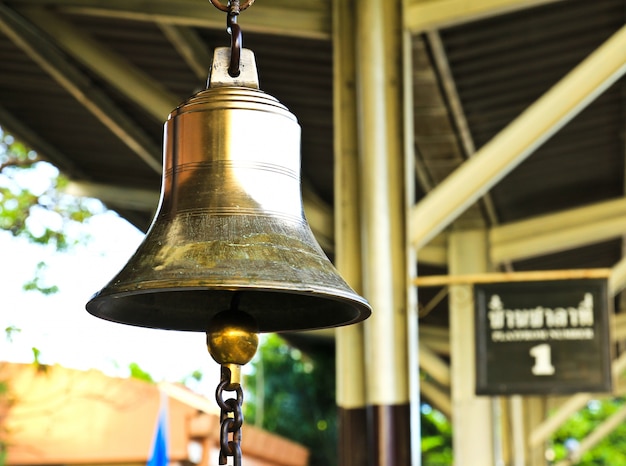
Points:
(232, 340)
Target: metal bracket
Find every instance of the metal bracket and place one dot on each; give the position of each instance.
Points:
(219, 76)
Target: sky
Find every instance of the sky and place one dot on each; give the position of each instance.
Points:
(65, 333)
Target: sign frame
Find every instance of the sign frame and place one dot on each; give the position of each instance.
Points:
(564, 356)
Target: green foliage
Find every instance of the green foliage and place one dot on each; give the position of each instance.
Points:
(36, 356)
(195, 376)
(39, 366)
(9, 332)
(293, 395)
(436, 437)
(37, 282)
(137, 372)
(33, 203)
(611, 450)
(34, 206)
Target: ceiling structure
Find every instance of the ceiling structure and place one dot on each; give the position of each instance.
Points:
(89, 83)
(492, 70)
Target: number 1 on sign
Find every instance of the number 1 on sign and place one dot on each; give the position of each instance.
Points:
(543, 359)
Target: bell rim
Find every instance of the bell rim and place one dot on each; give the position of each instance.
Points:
(322, 293)
(361, 306)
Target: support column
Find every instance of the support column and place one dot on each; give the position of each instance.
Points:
(535, 415)
(379, 103)
(518, 437)
(414, 348)
(351, 403)
(471, 415)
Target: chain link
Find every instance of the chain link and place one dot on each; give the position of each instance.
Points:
(229, 5)
(233, 8)
(231, 419)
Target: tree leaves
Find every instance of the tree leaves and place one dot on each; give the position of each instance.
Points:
(137, 372)
(33, 203)
(37, 282)
(436, 441)
(34, 206)
(611, 450)
(9, 332)
(295, 397)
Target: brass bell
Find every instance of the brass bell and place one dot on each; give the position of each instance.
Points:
(230, 231)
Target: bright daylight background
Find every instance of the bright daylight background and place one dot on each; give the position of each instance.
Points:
(59, 326)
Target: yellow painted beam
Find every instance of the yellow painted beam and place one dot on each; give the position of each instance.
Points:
(46, 54)
(424, 15)
(518, 140)
(304, 18)
(120, 73)
(550, 233)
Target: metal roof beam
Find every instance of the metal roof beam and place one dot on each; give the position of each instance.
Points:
(518, 140)
(560, 231)
(190, 47)
(115, 196)
(435, 252)
(117, 71)
(24, 133)
(424, 15)
(309, 19)
(435, 366)
(320, 217)
(47, 56)
(617, 280)
(457, 113)
(439, 398)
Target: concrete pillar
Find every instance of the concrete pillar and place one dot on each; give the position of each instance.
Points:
(381, 168)
(351, 402)
(535, 414)
(471, 415)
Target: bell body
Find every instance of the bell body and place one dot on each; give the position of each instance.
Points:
(230, 228)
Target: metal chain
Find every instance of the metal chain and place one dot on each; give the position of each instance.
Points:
(233, 8)
(231, 419)
(236, 38)
(225, 8)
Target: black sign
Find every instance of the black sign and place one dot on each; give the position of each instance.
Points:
(542, 337)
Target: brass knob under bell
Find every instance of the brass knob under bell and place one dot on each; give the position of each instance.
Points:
(232, 341)
(230, 221)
